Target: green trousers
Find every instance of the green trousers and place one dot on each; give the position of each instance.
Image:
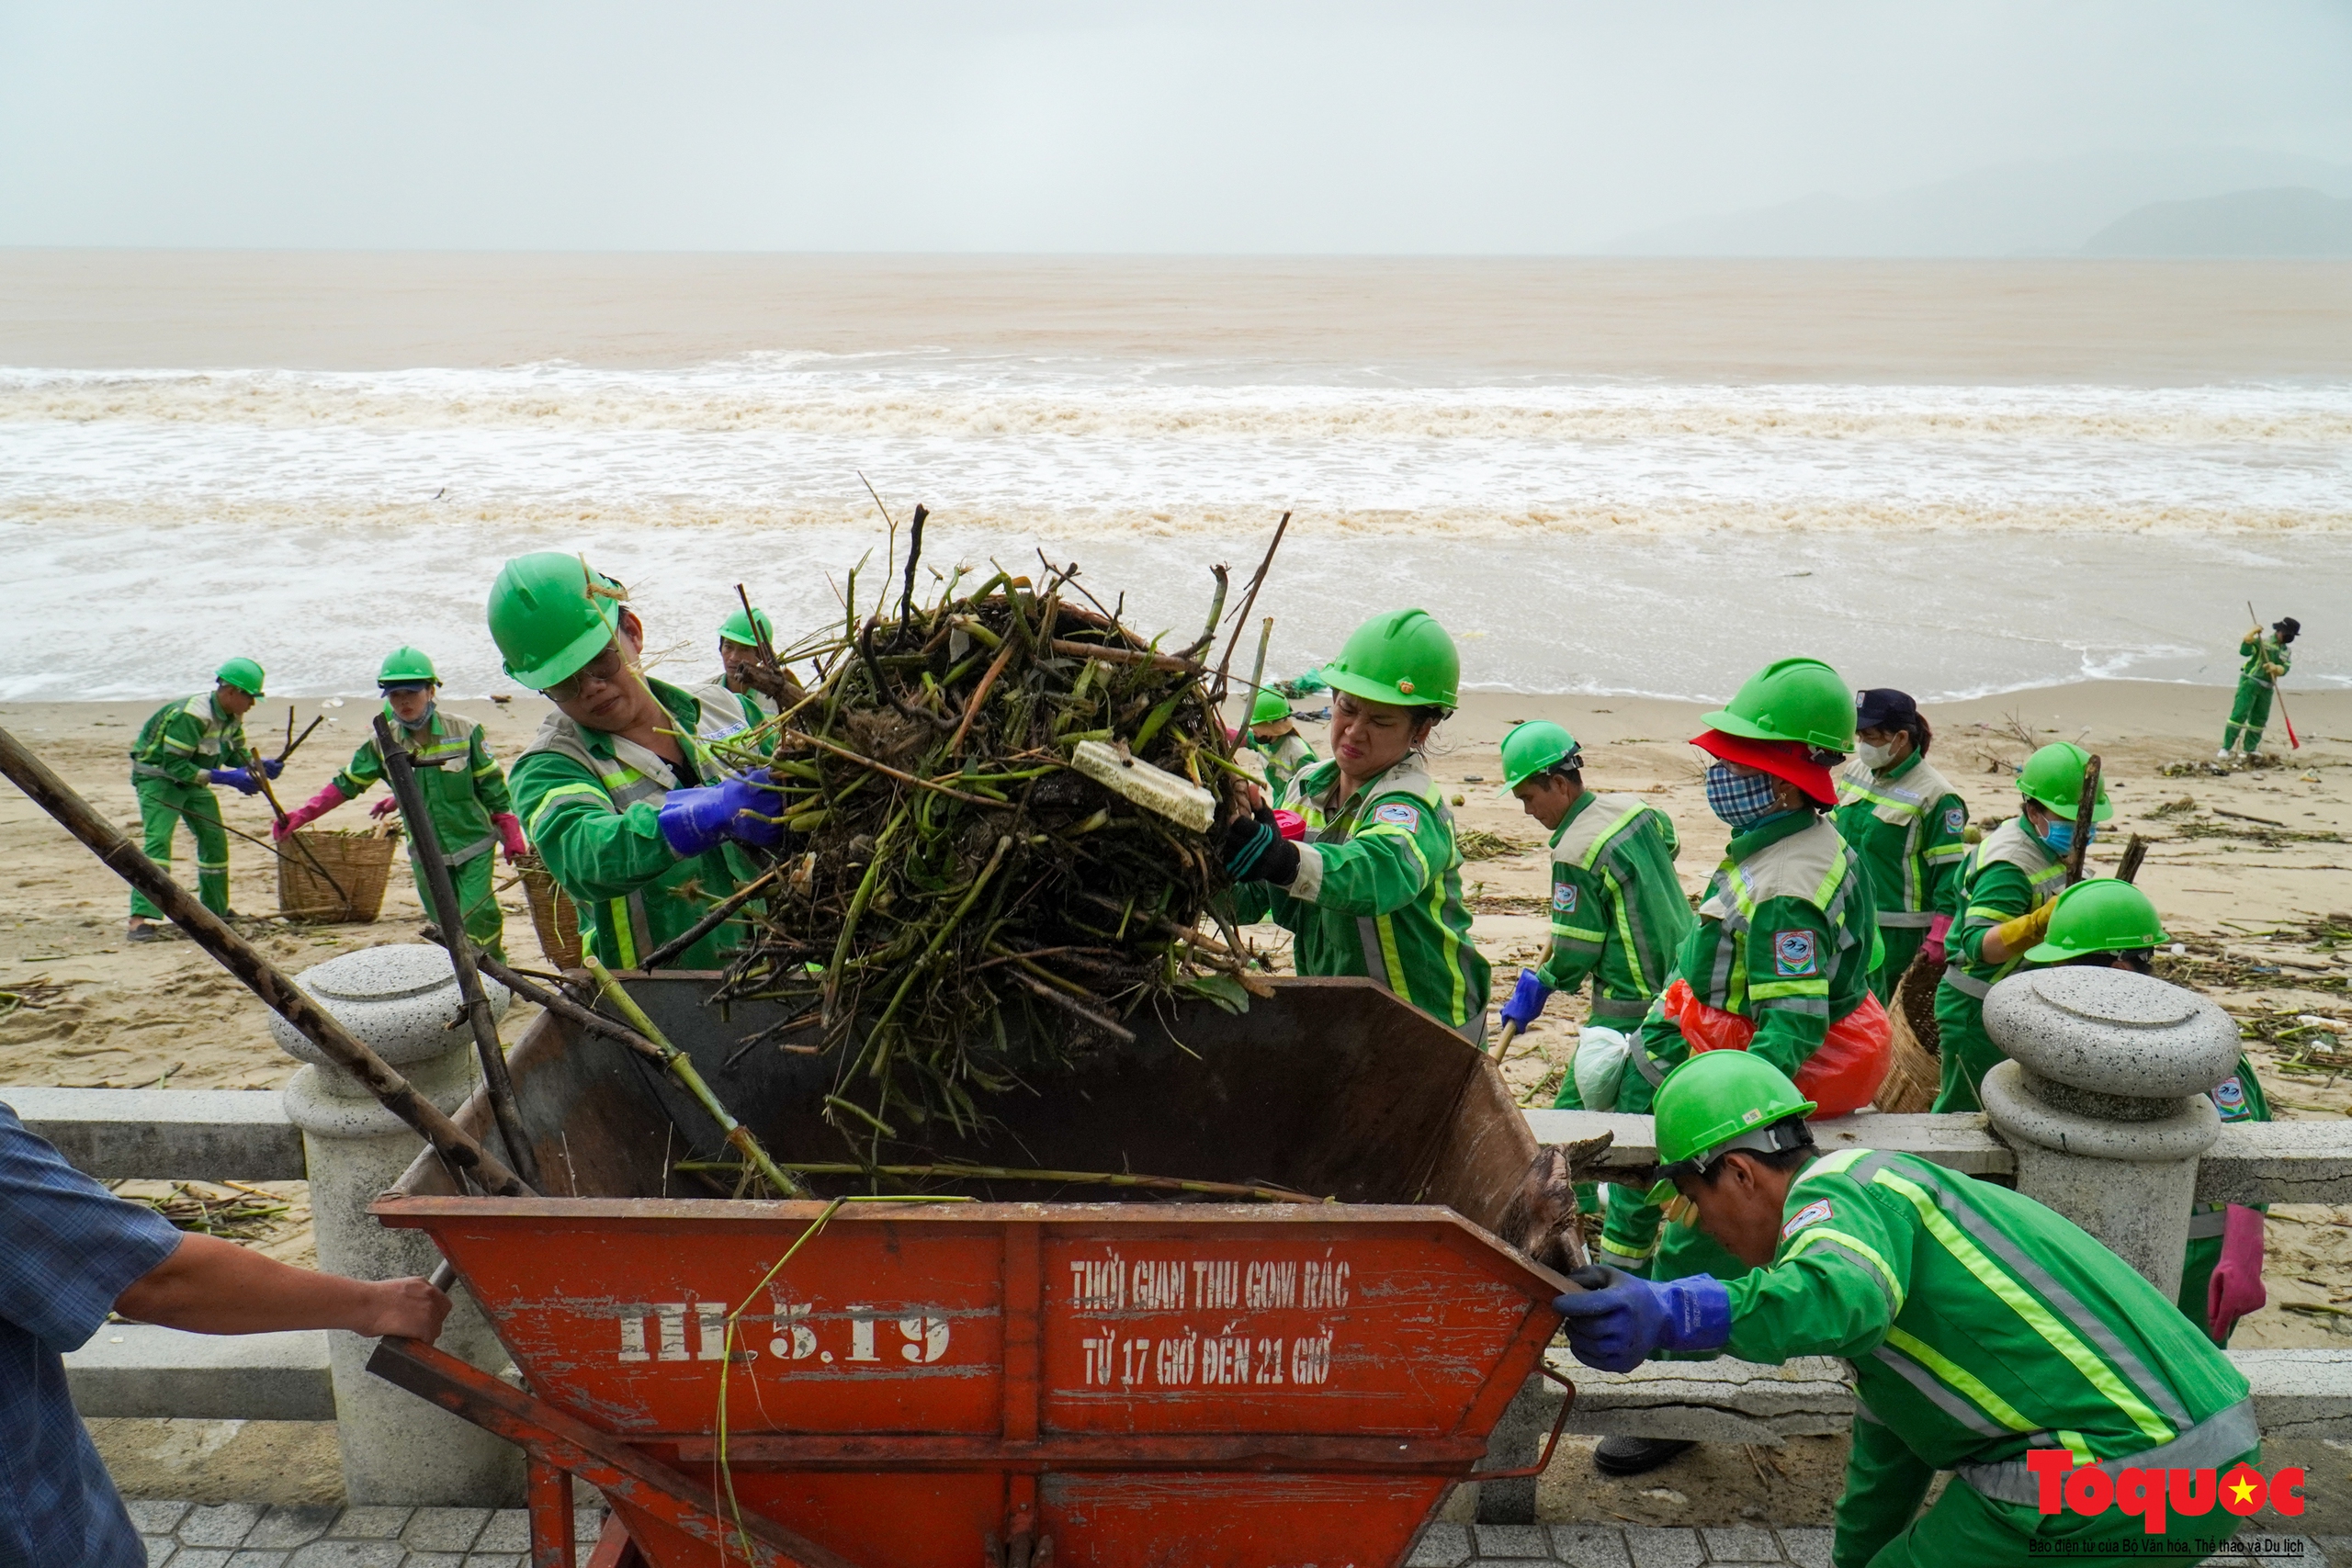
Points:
(162, 805)
(2247, 716)
(485, 922)
(1967, 1052)
(1898, 945)
(1879, 1525)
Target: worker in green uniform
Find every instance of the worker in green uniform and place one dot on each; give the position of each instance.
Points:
(2008, 884)
(186, 747)
(464, 791)
(634, 817)
(2267, 660)
(739, 658)
(1273, 735)
(1375, 888)
(2111, 924)
(1905, 821)
(1983, 1329)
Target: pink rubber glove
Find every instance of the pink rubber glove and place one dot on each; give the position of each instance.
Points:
(385, 807)
(2235, 1288)
(309, 811)
(510, 834)
(1291, 825)
(1934, 946)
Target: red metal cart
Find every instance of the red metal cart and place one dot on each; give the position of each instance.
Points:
(1023, 1377)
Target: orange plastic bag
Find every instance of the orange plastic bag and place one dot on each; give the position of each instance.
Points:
(1839, 1078)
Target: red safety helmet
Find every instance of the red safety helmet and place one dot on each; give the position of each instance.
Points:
(1789, 759)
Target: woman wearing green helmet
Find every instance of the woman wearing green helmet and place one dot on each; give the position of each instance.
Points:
(1906, 820)
(2111, 924)
(1273, 735)
(1375, 888)
(2009, 882)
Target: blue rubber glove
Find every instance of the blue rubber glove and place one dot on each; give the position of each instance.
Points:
(273, 766)
(693, 821)
(237, 779)
(1527, 1001)
(1626, 1320)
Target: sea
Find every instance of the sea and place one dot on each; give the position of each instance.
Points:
(1602, 477)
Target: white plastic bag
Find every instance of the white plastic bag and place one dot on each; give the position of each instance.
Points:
(1600, 1065)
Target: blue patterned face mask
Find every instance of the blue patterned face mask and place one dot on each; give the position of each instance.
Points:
(2059, 836)
(1742, 800)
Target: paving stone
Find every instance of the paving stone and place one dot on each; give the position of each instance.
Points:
(2335, 1549)
(370, 1522)
(159, 1549)
(1441, 1546)
(1589, 1546)
(437, 1560)
(201, 1557)
(348, 1554)
(1740, 1543)
(509, 1530)
(1511, 1541)
(219, 1524)
(248, 1558)
(1500, 1562)
(587, 1523)
(157, 1519)
(495, 1560)
(1808, 1546)
(293, 1527)
(1664, 1548)
(444, 1530)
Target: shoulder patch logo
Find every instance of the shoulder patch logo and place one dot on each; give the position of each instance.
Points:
(1793, 953)
(1812, 1213)
(1399, 812)
(1955, 819)
(1564, 897)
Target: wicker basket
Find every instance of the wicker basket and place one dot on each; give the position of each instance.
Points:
(327, 876)
(1916, 1073)
(553, 915)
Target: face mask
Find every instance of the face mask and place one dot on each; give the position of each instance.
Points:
(1877, 758)
(2060, 837)
(1741, 800)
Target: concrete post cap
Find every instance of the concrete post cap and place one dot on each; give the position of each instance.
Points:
(400, 998)
(2112, 1031)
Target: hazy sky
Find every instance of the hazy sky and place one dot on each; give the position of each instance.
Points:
(1109, 126)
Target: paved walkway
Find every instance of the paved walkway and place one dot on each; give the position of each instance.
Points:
(244, 1535)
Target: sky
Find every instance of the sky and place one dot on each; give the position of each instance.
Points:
(1357, 126)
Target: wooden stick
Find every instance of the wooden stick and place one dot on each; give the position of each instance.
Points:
(681, 1066)
(295, 743)
(846, 755)
(1126, 656)
(460, 1152)
(1059, 1178)
(1216, 693)
(711, 921)
(425, 844)
(2085, 809)
(2135, 851)
(980, 692)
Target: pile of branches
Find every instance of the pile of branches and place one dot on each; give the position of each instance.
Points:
(962, 910)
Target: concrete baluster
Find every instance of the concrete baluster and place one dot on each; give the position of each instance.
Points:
(2103, 1099)
(401, 1000)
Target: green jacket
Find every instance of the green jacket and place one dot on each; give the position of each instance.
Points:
(1379, 892)
(2010, 873)
(1785, 937)
(1905, 824)
(1285, 759)
(1618, 912)
(590, 804)
(2259, 650)
(462, 784)
(184, 738)
(1981, 1325)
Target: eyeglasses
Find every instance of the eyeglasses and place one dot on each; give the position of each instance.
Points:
(606, 668)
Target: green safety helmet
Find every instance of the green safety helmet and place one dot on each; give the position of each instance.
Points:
(2054, 776)
(407, 667)
(737, 629)
(1403, 657)
(1718, 1101)
(242, 674)
(2100, 915)
(551, 614)
(1537, 747)
(1269, 707)
(1792, 699)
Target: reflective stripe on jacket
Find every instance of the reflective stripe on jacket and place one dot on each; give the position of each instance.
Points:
(1905, 825)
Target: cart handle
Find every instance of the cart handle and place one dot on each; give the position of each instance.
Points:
(1544, 1461)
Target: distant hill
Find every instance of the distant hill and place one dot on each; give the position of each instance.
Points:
(2291, 220)
(2038, 208)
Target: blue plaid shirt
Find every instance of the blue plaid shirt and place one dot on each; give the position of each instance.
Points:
(68, 1248)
